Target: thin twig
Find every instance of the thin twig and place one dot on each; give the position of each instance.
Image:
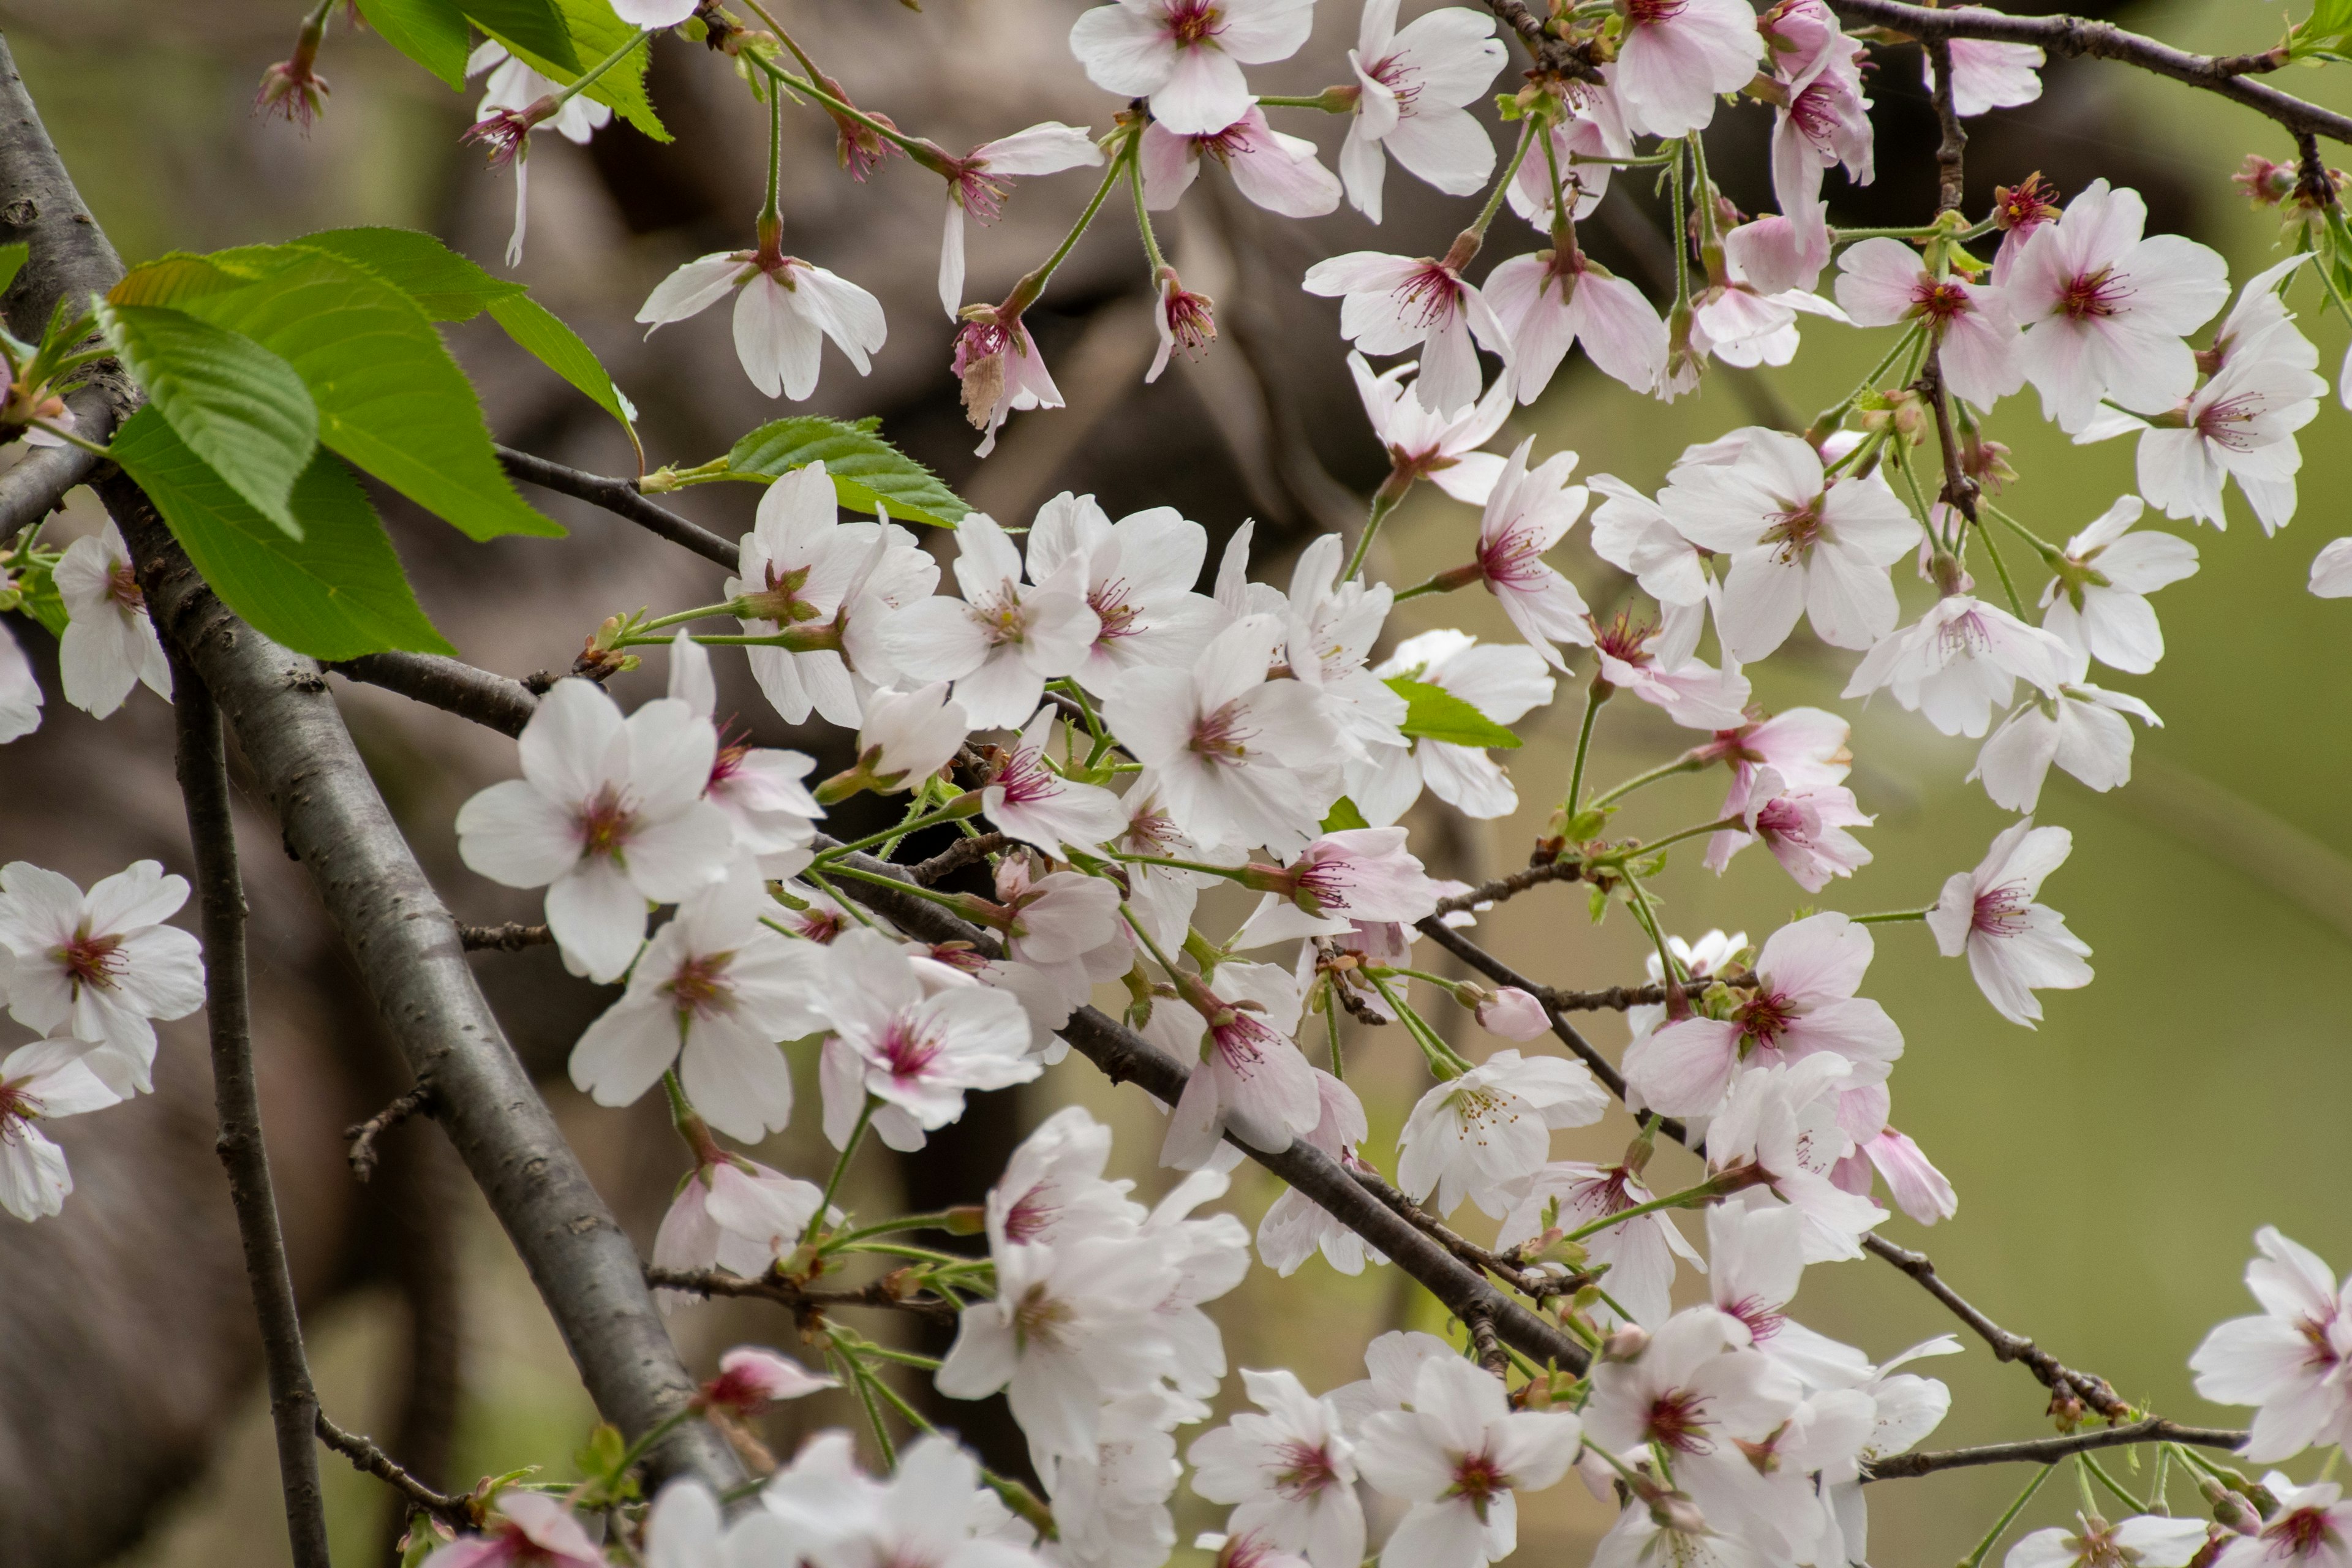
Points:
(220, 893)
(1488, 1348)
(2054, 1375)
(2050, 1450)
(621, 497)
(1566, 869)
(1552, 54)
(1618, 998)
(448, 684)
(454, 1511)
(956, 857)
(511, 937)
(806, 1306)
(1527, 1281)
(1951, 146)
(362, 1136)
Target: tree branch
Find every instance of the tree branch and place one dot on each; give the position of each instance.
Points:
(806, 1305)
(1552, 54)
(454, 1511)
(220, 897)
(2050, 1450)
(622, 499)
(1566, 869)
(2054, 1375)
(446, 683)
(511, 937)
(2071, 36)
(956, 857)
(362, 1136)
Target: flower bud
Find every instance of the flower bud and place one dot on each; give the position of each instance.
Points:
(1628, 1342)
(1514, 1013)
(752, 1378)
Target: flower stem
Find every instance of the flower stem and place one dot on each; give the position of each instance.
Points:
(1384, 501)
(1647, 916)
(68, 438)
(938, 1220)
(771, 208)
(2100, 1475)
(2000, 570)
(1734, 824)
(1599, 692)
(2001, 1526)
(1891, 916)
(1143, 219)
(588, 80)
(840, 1170)
(1444, 1061)
(1689, 1197)
(1828, 418)
(1510, 171)
(1681, 764)
(953, 811)
(1026, 293)
(1235, 872)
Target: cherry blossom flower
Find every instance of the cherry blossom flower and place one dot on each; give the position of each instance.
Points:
(1006, 637)
(713, 993)
(1246, 1075)
(1289, 1472)
(1555, 299)
(1002, 373)
(1908, 1408)
(109, 645)
(2331, 569)
(1393, 303)
(1334, 620)
(2295, 1362)
(1183, 319)
(1805, 829)
(836, 1518)
(684, 1528)
(2104, 310)
(752, 1378)
(1502, 680)
(1823, 121)
(1295, 1226)
(784, 310)
(2015, 946)
(1212, 1257)
(1482, 1135)
(20, 691)
(1110, 1499)
(1987, 76)
(1700, 1392)
(1800, 544)
(1356, 875)
(1806, 747)
(1053, 1189)
(1755, 1257)
(2147, 1540)
(1277, 171)
(1593, 131)
(1632, 534)
(1639, 1253)
(1064, 927)
(1779, 1128)
(517, 100)
(1069, 1330)
(1461, 1456)
(1187, 56)
(1513, 1014)
(1676, 56)
(41, 1082)
(758, 787)
(1139, 573)
(1030, 801)
(976, 189)
(1636, 656)
(1247, 1549)
(735, 1214)
(523, 1530)
(1526, 514)
(1711, 954)
(1919, 1190)
(1803, 1003)
(1959, 661)
(100, 965)
(2079, 727)
(1884, 283)
(2099, 601)
(1422, 445)
(1411, 85)
(2310, 1526)
(908, 736)
(1672, 1529)
(915, 1054)
(1235, 758)
(608, 815)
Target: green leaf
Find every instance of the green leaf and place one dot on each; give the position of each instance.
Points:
(867, 470)
(389, 397)
(430, 32)
(239, 407)
(1343, 815)
(595, 34)
(536, 25)
(1434, 713)
(37, 587)
(446, 286)
(538, 330)
(12, 261)
(336, 593)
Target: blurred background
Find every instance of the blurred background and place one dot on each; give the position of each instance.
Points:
(2112, 1166)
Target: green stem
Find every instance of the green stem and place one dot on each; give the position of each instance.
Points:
(584, 82)
(938, 1220)
(1828, 418)
(1689, 1197)
(1236, 873)
(2001, 1526)
(1444, 1061)
(1276, 100)
(1332, 1028)
(914, 147)
(1595, 695)
(1510, 172)
(771, 208)
(1730, 824)
(912, 824)
(840, 1170)
(652, 1434)
(1684, 764)
(1027, 292)
(68, 438)
(1891, 916)
(1647, 916)
(2044, 548)
(2000, 570)
(1384, 501)
(1681, 235)
(2109, 1482)
(705, 613)
(951, 901)
(1143, 220)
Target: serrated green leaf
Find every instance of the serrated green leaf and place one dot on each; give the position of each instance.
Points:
(1342, 816)
(336, 593)
(1434, 713)
(867, 471)
(431, 32)
(237, 406)
(596, 32)
(37, 587)
(12, 261)
(536, 328)
(178, 278)
(446, 286)
(390, 399)
(537, 26)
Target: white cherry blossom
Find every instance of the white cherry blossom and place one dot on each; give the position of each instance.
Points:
(1291, 1473)
(1504, 681)
(1187, 56)
(1553, 300)
(2331, 569)
(977, 191)
(109, 645)
(1525, 515)
(2145, 1541)
(1442, 449)
(1411, 85)
(1052, 1188)
(759, 787)
(1481, 1136)
(1755, 1254)
(1986, 75)
(1029, 800)
(908, 736)
(1639, 1253)
(784, 310)
(101, 966)
(1676, 56)
(2079, 727)
(1391, 304)
(1959, 662)
(1245, 1073)
(1140, 573)
(1460, 1457)
(20, 691)
(1110, 1499)
(2311, 1528)
(41, 1082)
(1277, 171)
(2015, 946)
(1334, 622)
(2295, 1362)
(1295, 1226)
(1779, 1128)
(1883, 282)
(735, 1214)
(1006, 637)
(914, 1053)
(2099, 601)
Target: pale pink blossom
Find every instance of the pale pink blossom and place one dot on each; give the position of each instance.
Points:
(684, 1528)
(1394, 303)
(1139, 574)
(2311, 1528)
(2295, 1362)
(1513, 1014)
(1918, 1188)
(1411, 85)
(735, 1214)
(1441, 448)
(752, 1378)
(1053, 1189)
(1632, 534)
(978, 189)
(109, 645)
(20, 691)
(2104, 310)
(1295, 1226)
(1030, 800)
(41, 1082)
(1986, 75)
(513, 90)
(1182, 319)
(1274, 169)
(1676, 56)
(2079, 727)
(1555, 299)
(1482, 1135)
(1805, 829)
(1884, 282)
(1804, 1005)
(1806, 747)
(1959, 662)
(1779, 1128)
(1823, 121)
(784, 310)
(1006, 637)
(1334, 622)
(1290, 1472)
(1355, 876)
(1065, 927)
(1525, 515)
(2331, 569)
(653, 13)
(1187, 56)
(2145, 1541)
(2099, 601)
(1002, 373)
(2015, 946)
(1800, 545)
(1110, 1499)
(1639, 1253)
(523, 1530)
(1460, 1456)
(1636, 656)
(99, 966)
(908, 736)
(1246, 1075)
(759, 788)
(909, 1054)
(1594, 130)
(1755, 1255)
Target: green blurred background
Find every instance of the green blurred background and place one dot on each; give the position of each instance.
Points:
(2112, 1165)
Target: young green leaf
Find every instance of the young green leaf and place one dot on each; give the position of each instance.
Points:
(38, 596)
(446, 286)
(1343, 815)
(390, 399)
(337, 592)
(239, 407)
(1434, 713)
(538, 330)
(867, 472)
(538, 26)
(430, 32)
(595, 34)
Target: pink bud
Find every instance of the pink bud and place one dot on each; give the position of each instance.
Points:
(1513, 1014)
(752, 1378)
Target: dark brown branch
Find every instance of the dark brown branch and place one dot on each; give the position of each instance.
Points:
(1552, 54)
(2071, 36)
(622, 499)
(454, 1511)
(1617, 998)
(362, 1136)
(2054, 1374)
(511, 937)
(806, 1305)
(446, 683)
(237, 1095)
(1527, 1281)
(2050, 1450)
(1566, 869)
(1952, 146)
(956, 857)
